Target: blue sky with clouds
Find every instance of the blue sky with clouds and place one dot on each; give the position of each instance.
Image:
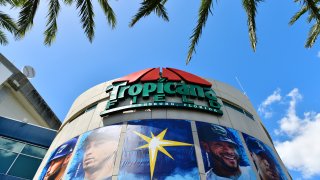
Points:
(281, 78)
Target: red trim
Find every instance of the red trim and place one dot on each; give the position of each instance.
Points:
(190, 77)
(131, 78)
(153, 75)
(166, 73)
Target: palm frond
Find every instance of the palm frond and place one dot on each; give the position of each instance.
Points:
(110, 15)
(162, 12)
(203, 13)
(313, 34)
(87, 15)
(68, 2)
(3, 38)
(13, 3)
(163, 2)
(52, 27)
(6, 22)
(26, 16)
(310, 18)
(250, 7)
(296, 16)
(313, 9)
(147, 7)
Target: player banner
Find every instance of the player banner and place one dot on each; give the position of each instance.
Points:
(158, 149)
(95, 154)
(58, 161)
(264, 159)
(223, 153)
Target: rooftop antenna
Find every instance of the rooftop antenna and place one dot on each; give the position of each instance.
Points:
(244, 92)
(29, 72)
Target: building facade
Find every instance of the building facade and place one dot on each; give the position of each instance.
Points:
(27, 124)
(162, 124)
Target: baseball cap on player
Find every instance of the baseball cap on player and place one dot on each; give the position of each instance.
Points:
(216, 133)
(255, 146)
(65, 149)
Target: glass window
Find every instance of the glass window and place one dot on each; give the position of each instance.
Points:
(6, 159)
(10, 145)
(25, 167)
(34, 151)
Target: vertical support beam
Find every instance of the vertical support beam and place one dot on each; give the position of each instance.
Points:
(119, 152)
(202, 172)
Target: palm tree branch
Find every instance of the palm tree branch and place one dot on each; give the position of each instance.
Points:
(68, 2)
(87, 15)
(50, 32)
(250, 7)
(8, 23)
(313, 34)
(296, 16)
(3, 38)
(203, 13)
(312, 7)
(161, 12)
(146, 8)
(26, 15)
(108, 11)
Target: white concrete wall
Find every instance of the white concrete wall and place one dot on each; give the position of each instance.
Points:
(13, 106)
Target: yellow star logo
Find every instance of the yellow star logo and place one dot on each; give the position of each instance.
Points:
(155, 144)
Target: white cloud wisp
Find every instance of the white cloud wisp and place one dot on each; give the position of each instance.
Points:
(264, 108)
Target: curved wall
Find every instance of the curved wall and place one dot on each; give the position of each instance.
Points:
(239, 120)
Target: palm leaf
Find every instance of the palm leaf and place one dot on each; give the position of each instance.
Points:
(313, 9)
(146, 8)
(68, 2)
(250, 7)
(313, 34)
(3, 38)
(296, 16)
(8, 23)
(87, 15)
(26, 16)
(51, 31)
(204, 11)
(111, 17)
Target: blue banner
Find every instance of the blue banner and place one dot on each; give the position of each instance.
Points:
(223, 154)
(158, 149)
(95, 154)
(264, 159)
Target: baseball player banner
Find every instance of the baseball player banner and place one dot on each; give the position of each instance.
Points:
(95, 154)
(264, 159)
(223, 153)
(58, 161)
(158, 149)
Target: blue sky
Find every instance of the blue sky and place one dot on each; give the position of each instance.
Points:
(281, 78)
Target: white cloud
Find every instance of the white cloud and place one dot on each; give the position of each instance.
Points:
(301, 150)
(264, 108)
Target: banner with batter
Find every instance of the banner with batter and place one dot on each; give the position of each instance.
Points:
(95, 154)
(58, 161)
(158, 149)
(223, 153)
(264, 159)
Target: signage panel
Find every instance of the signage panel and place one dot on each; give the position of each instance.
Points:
(154, 87)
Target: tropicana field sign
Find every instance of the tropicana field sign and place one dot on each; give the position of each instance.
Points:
(154, 86)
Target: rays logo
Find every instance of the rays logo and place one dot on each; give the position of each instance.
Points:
(153, 84)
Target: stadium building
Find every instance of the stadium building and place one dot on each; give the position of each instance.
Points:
(27, 124)
(162, 124)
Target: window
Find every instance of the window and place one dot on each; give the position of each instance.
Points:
(19, 159)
